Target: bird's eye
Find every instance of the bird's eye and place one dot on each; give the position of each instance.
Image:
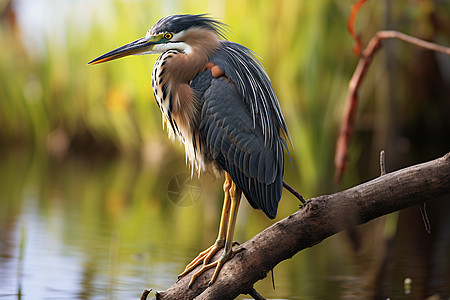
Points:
(168, 36)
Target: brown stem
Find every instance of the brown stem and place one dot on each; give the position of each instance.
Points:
(347, 125)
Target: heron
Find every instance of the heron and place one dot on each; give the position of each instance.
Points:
(216, 99)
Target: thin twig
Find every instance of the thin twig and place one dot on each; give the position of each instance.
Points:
(393, 34)
(294, 192)
(273, 279)
(425, 219)
(382, 163)
(346, 129)
(145, 294)
(255, 294)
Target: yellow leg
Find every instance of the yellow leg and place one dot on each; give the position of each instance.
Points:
(228, 253)
(205, 256)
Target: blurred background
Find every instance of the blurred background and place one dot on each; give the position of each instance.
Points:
(96, 202)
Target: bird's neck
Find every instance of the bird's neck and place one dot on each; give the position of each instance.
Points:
(170, 79)
(184, 66)
(174, 70)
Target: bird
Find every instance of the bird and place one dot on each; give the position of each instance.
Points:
(217, 99)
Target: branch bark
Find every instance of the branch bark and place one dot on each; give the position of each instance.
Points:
(320, 218)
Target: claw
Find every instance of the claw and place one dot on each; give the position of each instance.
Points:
(203, 258)
(218, 264)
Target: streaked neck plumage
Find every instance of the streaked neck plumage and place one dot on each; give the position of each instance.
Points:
(171, 75)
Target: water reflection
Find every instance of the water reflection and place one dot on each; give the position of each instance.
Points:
(106, 228)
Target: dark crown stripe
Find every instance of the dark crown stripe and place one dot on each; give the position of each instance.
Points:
(178, 23)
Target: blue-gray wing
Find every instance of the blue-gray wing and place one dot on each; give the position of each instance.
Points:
(237, 143)
(251, 80)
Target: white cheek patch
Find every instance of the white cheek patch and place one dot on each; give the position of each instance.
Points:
(180, 46)
(175, 43)
(178, 37)
(187, 49)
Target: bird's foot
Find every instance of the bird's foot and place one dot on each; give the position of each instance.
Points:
(204, 258)
(218, 264)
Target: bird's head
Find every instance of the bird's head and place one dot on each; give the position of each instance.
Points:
(177, 32)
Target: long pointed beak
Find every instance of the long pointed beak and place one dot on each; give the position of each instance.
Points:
(136, 47)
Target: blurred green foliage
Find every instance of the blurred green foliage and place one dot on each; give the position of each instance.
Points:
(56, 103)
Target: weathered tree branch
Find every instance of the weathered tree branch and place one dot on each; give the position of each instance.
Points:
(320, 218)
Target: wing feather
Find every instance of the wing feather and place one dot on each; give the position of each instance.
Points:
(239, 148)
(241, 125)
(241, 66)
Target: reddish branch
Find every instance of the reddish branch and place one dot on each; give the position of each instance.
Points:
(351, 28)
(345, 132)
(320, 218)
